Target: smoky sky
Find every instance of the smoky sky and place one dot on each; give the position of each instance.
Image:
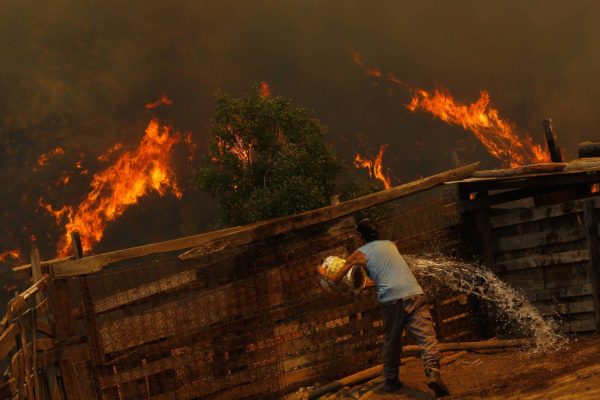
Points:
(77, 74)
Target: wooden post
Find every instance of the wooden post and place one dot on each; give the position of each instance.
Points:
(592, 242)
(76, 242)
(36, 380)
(36, 271)
(26, 364)
(49, 378)
(551, 139)
(96, 354)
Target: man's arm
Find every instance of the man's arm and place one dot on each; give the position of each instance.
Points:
(356, 258)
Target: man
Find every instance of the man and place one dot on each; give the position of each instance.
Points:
(403, 304)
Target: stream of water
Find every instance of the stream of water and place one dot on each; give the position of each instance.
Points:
(507, 307)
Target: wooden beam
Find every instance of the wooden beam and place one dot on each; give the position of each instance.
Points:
(353, 379)
(488, 344)
(26, 268)
(594, 257)
(552, 141)
(20, 301)
(36, 270)
(567, 177)
(207, 243)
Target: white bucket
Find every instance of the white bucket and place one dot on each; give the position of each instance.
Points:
(355, 280)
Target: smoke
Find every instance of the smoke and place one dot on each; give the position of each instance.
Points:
(77, 75)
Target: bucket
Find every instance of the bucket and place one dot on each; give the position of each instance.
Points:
(355, 280)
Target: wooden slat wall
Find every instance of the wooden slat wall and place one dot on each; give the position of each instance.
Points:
(254, 324)
(544, 251)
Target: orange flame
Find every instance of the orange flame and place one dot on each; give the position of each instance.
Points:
(104, 157)
(134, 174)
(374, 166)
(374, 72)
(496, 134)
(43, 159)
(191, 145)
(10, 254)
(240, 149)
(264, 90)
(161, 101)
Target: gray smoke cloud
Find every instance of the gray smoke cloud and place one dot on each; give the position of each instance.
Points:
(77, 74)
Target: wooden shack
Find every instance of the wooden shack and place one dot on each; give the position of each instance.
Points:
(537, 228)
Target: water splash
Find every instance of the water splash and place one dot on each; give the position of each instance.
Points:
(509, 308)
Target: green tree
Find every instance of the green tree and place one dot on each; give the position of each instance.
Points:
(266, 159)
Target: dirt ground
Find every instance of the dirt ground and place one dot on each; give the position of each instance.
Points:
(573, 373)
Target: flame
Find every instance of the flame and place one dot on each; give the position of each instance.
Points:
(264, 90)
(104, 157)
(191, 145)
(374, 72)
(134, 174)
(161, 101)
(374, 166)
(240, 149)
(498, 135)
(65, 179)
(43, 159)
(10, 254)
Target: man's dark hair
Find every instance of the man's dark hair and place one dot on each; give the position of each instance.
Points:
(368, 230)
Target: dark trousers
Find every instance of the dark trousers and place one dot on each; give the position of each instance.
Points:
(413, 314)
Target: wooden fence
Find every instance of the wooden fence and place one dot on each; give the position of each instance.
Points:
(241, 315)
(27, 342)
(249, 323)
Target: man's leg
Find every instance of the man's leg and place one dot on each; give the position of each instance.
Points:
(420, 325)
(393, 319)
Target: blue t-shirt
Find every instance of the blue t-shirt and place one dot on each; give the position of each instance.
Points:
(390, 272)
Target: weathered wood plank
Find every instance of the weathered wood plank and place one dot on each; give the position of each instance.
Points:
(219, 240)
(559, 293)
(566, 178)
(19, 302)
(26, 268)
(538, 239)
(517, 216)
(543, 260)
